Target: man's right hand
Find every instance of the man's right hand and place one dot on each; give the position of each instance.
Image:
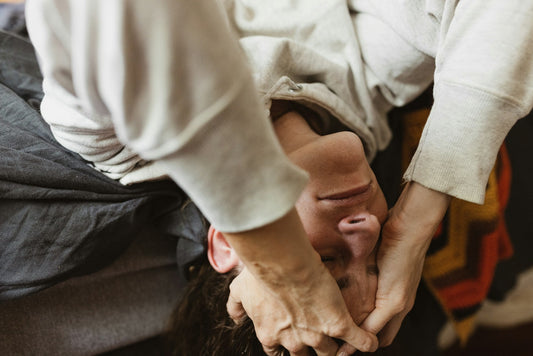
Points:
(405, 238)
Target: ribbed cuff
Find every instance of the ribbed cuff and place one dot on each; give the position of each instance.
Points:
(460, 141)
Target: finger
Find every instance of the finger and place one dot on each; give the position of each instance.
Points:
(294, 345)
(389, 332)
(271, 350)
(346, 349)
(235, 309)
(377, 320)
(326, 347)
(360, 339)
(303, 352)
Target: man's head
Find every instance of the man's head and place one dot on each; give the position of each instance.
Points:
(341, 209)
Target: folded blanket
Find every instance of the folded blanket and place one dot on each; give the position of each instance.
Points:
(471, 240)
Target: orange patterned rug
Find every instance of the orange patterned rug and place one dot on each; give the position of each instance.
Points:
(470, 242)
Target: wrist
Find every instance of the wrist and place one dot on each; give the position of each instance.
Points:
(420, 208)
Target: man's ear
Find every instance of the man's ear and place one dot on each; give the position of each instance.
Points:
(221, 255)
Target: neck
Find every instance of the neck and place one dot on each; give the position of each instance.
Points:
(293, 131)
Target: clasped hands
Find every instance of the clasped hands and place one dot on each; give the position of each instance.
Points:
(304, 308)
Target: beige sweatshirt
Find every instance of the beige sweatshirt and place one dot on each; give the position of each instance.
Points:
(167, 81)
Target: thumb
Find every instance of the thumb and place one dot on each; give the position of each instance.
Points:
(358, 339)
(376, 321)
(234, 305)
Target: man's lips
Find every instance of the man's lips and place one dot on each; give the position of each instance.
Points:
(347, 194)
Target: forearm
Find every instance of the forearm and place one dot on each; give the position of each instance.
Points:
(278, 251)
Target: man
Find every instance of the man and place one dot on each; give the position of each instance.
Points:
(341, 208)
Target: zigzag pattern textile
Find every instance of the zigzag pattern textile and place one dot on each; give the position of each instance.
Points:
(470, 242)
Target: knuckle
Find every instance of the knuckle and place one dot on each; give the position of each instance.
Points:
(293, 343)
(271, 350)
(268, 342)
(367, 345)
(234, 286)
(315, 340)
(294, 347)
(266, 338)
(339, 329)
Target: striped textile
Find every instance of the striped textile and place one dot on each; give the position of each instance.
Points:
(470, 241)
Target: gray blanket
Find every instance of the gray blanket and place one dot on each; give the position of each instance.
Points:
(59, 217)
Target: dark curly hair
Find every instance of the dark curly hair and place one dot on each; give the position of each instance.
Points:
(200, 324)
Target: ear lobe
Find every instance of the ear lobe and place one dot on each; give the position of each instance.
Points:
(221, 255)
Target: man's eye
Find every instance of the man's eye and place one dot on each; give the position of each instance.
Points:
(327, 258)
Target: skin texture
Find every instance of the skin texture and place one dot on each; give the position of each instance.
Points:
(406, 238)
(341, 209)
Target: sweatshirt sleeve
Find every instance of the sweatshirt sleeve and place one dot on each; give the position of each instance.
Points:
(175, 86)
(483, 85)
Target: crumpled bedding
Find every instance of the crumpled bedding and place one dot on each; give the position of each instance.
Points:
(12, 18)
(59, 217)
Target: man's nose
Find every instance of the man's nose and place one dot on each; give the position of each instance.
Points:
(360, 224)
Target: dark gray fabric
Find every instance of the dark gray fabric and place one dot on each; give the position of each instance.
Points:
(12, 18)
(18, 68)
(121, 305)
(58, 216)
